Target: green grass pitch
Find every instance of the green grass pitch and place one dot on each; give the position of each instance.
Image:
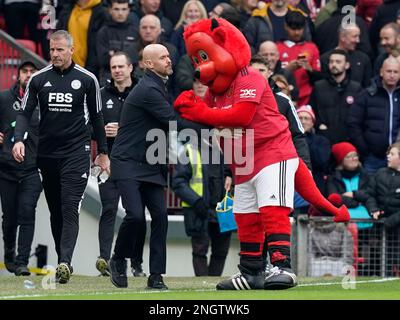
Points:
(197, 288)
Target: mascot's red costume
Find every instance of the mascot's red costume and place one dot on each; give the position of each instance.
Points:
(239, 97)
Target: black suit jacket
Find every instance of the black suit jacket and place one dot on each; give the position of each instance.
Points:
(145, 117)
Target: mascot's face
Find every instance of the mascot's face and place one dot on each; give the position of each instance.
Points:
(218, 50)
(215, 67)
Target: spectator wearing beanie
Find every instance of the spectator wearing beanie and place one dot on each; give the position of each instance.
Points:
(319, 146)
(348, 183)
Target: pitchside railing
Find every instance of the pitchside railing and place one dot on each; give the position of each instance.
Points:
(12, 52)
(362, 246)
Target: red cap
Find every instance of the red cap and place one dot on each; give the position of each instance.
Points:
(342, 149)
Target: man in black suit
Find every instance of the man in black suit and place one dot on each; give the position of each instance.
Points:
(140, 181)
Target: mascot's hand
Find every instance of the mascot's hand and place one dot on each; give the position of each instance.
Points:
(186, 98)
(197, 111)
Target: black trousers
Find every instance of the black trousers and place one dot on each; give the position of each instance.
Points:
(135, 196)
(109, 196)
(18, 202)
(219, 250)
(64, 183)
(19, 15)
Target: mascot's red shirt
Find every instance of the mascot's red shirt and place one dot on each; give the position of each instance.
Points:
(272, 138)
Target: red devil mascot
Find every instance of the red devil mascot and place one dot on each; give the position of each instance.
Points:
(239, 97)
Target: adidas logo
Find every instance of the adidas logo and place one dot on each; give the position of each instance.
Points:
(240, 283)
(84, 175)
(273, 197)
(48, 84)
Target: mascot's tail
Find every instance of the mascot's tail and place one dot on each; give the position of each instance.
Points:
(306, 187)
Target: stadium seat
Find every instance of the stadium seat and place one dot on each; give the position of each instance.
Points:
(2, 22)
(28, 44)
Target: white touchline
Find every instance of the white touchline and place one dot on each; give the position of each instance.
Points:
(21, 296)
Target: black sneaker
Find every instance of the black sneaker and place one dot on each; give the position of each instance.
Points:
(9, 259)
(117, 269)
(63, 273)
(280, 279)
(10, 266)
(22, 271)
(137, 271)
(102, 266)
(244, 280)
(156, 281)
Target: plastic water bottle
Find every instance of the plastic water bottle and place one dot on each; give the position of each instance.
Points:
(103, 176)
(29, 284)
(95, 171)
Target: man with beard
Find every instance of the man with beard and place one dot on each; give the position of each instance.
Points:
(390, 42)
(332, 97)
(20, 184)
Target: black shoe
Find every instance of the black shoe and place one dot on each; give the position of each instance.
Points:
(22, 271)
(102, 266)
(156, 281)
(117, 269)
(10, 266)
(9, 259)
(244, 280)
(63, 273)
(137, 271)
(280, 279)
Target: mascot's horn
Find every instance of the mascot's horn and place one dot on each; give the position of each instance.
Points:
(214, 24)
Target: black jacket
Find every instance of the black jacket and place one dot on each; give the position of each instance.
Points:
(146, 111)
(213, 192)
(113, 37)
(335, 184)
(360, 67)
(384, 192)
(331, 102)
(371, 118)
(67, 100)
(10, 104)
(112, 101)
(320, 153)
(97, 20)
(326, 34)
(287, 108)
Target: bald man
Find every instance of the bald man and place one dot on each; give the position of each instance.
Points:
(374, 118)
(138, 170)
(269, 51)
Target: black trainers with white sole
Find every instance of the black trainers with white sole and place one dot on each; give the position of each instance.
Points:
(244, 280)
(63, 273)
(280, 279)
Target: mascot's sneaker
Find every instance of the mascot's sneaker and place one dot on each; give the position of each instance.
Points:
(342, 215)
(280, 279)
(63, 273)
(243, 280)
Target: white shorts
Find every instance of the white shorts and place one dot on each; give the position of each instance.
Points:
(272, 186)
